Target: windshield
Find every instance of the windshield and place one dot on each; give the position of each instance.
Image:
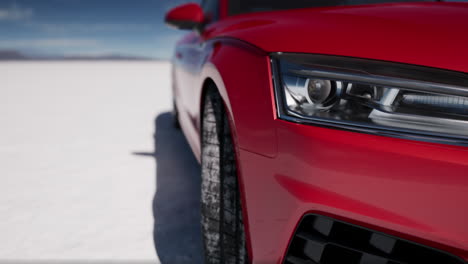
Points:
(246, 6)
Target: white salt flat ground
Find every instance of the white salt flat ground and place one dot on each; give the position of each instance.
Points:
(90, 167)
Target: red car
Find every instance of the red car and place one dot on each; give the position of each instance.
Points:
(328, 132)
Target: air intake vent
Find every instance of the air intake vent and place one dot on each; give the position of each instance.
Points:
(323, 240)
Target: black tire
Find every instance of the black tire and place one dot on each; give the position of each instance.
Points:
(175, 116)
(221, 209)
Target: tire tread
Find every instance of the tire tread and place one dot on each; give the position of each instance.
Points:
(222, 225)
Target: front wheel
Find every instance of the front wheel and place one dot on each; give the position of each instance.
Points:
(222, 225)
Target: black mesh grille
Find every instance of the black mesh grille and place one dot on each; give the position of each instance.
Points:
(323, 240)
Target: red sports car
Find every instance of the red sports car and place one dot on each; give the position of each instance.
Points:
(328, 131)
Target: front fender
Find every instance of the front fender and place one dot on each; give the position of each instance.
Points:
(243, 77)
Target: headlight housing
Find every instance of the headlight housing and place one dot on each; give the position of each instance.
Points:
(373, 97)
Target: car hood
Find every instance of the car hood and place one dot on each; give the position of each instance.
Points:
(428, 34)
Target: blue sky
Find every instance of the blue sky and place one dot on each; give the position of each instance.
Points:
(87, 27)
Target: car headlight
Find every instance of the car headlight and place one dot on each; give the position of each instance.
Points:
(372, 96)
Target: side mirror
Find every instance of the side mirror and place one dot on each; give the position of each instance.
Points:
(187, 16)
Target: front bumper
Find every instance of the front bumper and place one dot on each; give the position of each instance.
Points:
(414, 190)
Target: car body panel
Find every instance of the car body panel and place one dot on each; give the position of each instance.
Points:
(255, 133)
(428, 34)
(411, 189)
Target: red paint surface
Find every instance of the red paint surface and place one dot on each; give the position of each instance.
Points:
(188, 12)
(414, 190)
(428, 34)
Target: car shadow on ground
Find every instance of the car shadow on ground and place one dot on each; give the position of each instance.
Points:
(176, 204)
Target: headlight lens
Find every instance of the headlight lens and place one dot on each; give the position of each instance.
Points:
(372, 96)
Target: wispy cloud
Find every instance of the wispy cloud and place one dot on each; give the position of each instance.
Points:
(48, 43)
(15, 12)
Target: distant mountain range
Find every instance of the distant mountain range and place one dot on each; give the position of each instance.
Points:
(13, 55)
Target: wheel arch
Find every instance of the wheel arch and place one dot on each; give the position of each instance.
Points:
(211, 76)
(242, 75)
